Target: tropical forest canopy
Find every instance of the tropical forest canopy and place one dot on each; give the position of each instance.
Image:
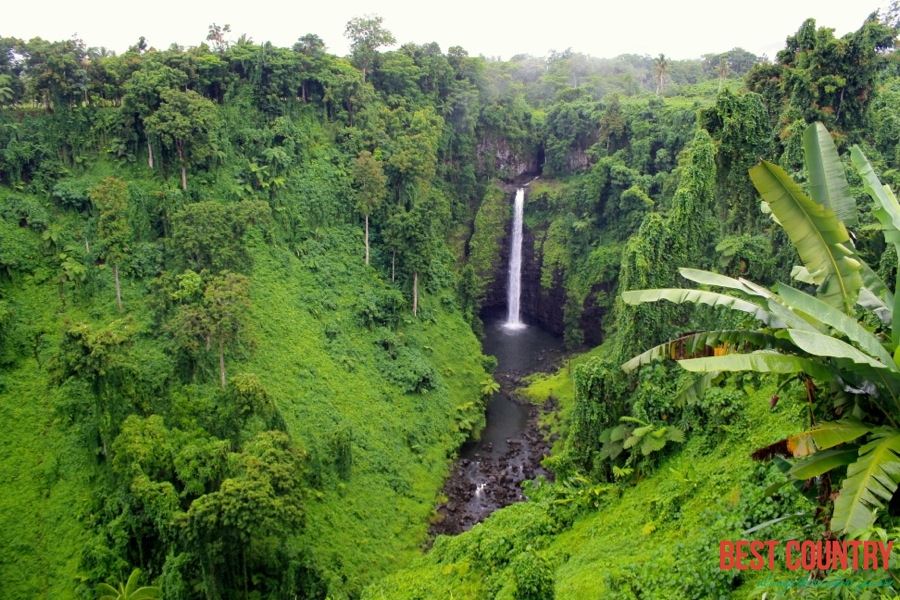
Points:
(241, 287)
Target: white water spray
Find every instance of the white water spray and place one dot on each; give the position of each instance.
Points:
(514, 287)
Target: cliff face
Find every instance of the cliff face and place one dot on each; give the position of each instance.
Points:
(497, 156)
(545, 306)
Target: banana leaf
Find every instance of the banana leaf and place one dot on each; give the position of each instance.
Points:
(820, 238)
(872, 302)
(822, 462)
(886, 208)
(824, 436)
(871, 482)
(887, 211)
(760, 362)
(801, 274)
(837, 320)
(872, 281)
(827, 182)
(715, 279)
(693, 392)
(788, 318)
(680, 296)
(821, 345)
(694, 342)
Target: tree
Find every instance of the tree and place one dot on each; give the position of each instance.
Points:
(185, 122)
(371, 187)
(366, 36)
(112, 226)
(660, 72)
(143, 95)
(651, 256)
(409, 233)
(101, 358)
(227, 300)
(215, 319)
(311, 51)
(216, 35)
(723, 71)
(249, 519)
(824, 78)
(612, 123)
(310, 44)
(816, 337)
(54, 72)
(740, 126)
(207, 235)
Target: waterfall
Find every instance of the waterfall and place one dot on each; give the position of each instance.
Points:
(514, 287)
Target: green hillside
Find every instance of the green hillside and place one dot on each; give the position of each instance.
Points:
(242, 288)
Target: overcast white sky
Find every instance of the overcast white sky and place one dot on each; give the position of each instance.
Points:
(677, 28)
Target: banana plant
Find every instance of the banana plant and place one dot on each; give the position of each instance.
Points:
(816, 337)
(129, 591)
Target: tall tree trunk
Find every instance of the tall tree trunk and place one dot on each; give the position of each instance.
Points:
(393, 263)
(367, 239)
(222, 362)
(840, 106)
(149, 154)
(183, 171)
(416, 293)
(118, 288)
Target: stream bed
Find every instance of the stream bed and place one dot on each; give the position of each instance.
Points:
(489, 472)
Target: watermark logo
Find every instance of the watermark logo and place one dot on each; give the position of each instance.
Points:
(841, 582)
(808, 555)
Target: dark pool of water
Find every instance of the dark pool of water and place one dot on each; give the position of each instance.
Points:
(518, 352)
(490, 470)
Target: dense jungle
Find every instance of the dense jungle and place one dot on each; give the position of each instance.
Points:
(243, 292)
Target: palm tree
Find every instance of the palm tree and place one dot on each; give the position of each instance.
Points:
(723, 70)
(660, 71)
(815, 337)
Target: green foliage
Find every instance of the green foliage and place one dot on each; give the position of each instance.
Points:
(366, 35)
(72, 193)
(109, 197)
(570, 129)
(824, 78)
(740, 126)
(186, 123)
(636, 434)
(216, 317)
(141, 436)
(600, 392)
(409, 370)
(816, 329)
(533, 577)
(484, 245)
(25, 211)
(651, 256)
(128, 591)
(207, 235)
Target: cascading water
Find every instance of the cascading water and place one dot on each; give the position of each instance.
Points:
(514, 287)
